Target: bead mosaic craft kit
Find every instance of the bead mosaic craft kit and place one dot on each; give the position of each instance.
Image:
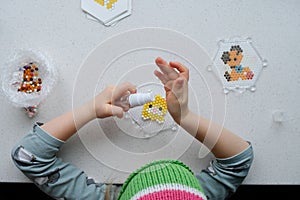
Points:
(150, 118)
(238, 64)
(107, 12)
(155, 110)
(29, 78)
(31, 82)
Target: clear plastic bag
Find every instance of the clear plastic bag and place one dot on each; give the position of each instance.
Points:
(27, 79)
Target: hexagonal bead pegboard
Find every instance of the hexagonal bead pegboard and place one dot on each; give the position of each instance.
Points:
(238, 64)
(107, 11)
(148, 120)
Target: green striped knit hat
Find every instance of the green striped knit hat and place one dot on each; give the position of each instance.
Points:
(162, 180)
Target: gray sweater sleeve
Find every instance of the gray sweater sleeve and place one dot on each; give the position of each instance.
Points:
(35, 156)
(222, 178)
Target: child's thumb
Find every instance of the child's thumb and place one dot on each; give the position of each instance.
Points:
(116, 111)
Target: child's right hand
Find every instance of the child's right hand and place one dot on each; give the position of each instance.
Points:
(174, 76)
(104, 101)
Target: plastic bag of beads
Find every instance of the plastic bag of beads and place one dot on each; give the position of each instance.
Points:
(27, 79)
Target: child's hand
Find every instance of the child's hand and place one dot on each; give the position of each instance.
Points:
(104, 101)
(174, 76)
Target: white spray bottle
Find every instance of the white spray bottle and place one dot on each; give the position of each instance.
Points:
(136, 99)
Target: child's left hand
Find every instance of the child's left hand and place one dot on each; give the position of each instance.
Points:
(174, 76)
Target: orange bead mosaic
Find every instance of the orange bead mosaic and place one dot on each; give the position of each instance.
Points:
(233, 59)
(31, 82)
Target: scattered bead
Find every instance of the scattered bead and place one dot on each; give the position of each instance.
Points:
(30, 111)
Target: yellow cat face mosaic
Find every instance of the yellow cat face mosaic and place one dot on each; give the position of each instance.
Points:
(155, 110)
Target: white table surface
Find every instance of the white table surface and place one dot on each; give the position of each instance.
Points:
(61, 29)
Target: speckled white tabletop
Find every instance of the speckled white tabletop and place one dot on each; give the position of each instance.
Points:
(62, 31)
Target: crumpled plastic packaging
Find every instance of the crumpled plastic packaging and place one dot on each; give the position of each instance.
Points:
(27, 79)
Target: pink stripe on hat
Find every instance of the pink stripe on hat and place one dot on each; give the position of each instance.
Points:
(171, 195)
(162, 180)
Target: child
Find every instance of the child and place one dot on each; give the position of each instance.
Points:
(35, 154)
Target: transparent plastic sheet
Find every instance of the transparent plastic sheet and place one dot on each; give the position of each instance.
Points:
(238, 64)
(42, 79)
(146, 128)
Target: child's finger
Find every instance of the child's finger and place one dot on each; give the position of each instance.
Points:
(115, 111)
(166, 69)
(181, 68)
(122, 89)
(160, 76)
(130, 87)
(160, 61)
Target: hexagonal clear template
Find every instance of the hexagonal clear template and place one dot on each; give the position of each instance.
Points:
(107, 11)
(238, 64)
